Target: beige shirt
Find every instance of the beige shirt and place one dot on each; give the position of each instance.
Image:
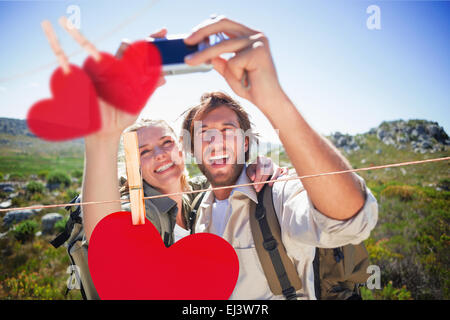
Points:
(303, 228)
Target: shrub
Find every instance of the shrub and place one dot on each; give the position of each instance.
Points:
(444, 184)
(37, 197)
(32, 285)
(379, 251)
(42, 174)
(70, 194)
(16, 176)
(77, 173)
(387, 293)
(60, 225)
(1, 176)
(25, 231)
(35, 187)
(405, 193)
(59, 177)
(18, 202)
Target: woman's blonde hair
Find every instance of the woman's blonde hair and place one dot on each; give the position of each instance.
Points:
(144, 123)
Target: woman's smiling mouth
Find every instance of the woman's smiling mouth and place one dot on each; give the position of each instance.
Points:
(165, 167)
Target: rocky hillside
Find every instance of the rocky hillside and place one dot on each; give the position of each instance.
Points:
(14, 127)
(420, 135)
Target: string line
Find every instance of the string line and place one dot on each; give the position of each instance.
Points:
(236, 185)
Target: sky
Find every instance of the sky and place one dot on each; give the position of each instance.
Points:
(340, 74)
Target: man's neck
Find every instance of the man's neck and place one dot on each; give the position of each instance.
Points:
(222, 194)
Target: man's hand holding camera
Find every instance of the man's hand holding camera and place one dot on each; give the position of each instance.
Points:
(252, 56)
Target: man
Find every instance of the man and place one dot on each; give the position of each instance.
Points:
(335, 210)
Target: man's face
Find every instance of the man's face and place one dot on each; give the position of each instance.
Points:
(221, 155)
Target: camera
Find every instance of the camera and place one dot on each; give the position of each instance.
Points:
(173, 50)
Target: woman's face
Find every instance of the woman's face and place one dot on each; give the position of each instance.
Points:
(161, 159)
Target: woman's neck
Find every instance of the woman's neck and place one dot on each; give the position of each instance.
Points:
(176, 188)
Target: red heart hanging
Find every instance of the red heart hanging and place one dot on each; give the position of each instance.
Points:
(126, 83)
(73, 111)
(131, 262)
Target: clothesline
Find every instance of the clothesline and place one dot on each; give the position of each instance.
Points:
(237, 185)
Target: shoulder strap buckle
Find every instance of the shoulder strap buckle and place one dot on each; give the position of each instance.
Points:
(270, 244)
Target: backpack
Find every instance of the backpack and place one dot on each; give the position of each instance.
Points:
(338, 272)
(77, 248)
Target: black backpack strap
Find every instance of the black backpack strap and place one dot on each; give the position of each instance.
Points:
(316, 268)
(193, 214)
(280, 270)
(74, 217)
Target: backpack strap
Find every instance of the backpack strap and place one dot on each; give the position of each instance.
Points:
(278, 268)
(73, 219)
(316, 268)
(193, 214)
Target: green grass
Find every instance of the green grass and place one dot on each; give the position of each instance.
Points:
(410, 244)
(28, 155)
(27, 165)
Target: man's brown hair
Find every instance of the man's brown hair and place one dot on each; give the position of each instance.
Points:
(210, 101)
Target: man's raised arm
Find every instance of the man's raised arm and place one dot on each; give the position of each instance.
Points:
(337, 196)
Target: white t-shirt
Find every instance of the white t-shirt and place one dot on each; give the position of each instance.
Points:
(179, 232)
(220, 216)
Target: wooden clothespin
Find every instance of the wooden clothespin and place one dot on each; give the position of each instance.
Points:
(54, 44)
(78, 37)
(133, 165)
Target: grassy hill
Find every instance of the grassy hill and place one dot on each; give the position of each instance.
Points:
(410, 244)
(23, 154)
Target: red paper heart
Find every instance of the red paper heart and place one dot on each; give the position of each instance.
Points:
(131, 262)
(126, 83)
(73, 111)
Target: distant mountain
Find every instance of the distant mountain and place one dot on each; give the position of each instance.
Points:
(14, 127)
(16, 138)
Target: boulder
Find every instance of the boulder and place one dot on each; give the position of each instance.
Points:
(342, 141)
(381, 134)
(402, 139)
(421, 130)
(17, 216)
(8, 189)
(5, 185)
(53, 186)
(388, 141)
(5, 204)
(48, 221)
(13, 195)
(427, 144)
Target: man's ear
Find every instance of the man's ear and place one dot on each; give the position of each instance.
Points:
(246, 142)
